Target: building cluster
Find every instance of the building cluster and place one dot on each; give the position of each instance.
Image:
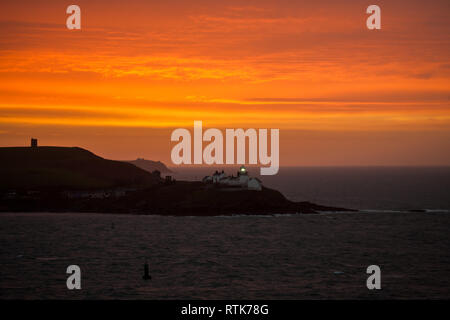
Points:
(241, 181)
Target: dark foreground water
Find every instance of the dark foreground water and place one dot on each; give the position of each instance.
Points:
(284, 257)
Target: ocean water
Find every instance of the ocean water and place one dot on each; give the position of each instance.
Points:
(285, 257)
(322, 256)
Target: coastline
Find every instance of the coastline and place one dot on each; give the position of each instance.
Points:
(180, 198)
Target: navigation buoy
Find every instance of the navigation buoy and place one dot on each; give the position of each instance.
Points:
(146, 275)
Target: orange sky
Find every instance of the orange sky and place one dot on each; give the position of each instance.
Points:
(340, 94)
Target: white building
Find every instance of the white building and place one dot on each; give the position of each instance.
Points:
(242, 180)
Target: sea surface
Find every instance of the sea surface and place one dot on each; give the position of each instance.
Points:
(322, 256)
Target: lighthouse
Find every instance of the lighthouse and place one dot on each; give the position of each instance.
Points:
(242, 171)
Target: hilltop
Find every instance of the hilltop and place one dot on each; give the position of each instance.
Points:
(63, 167)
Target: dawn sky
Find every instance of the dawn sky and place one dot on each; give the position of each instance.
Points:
(339, 93)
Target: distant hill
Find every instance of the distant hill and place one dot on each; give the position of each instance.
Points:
(68, 168)
(150, 165)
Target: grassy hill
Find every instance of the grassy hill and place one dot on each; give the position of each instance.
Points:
(66, 168)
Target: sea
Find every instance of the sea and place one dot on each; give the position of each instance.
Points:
(402, 226)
